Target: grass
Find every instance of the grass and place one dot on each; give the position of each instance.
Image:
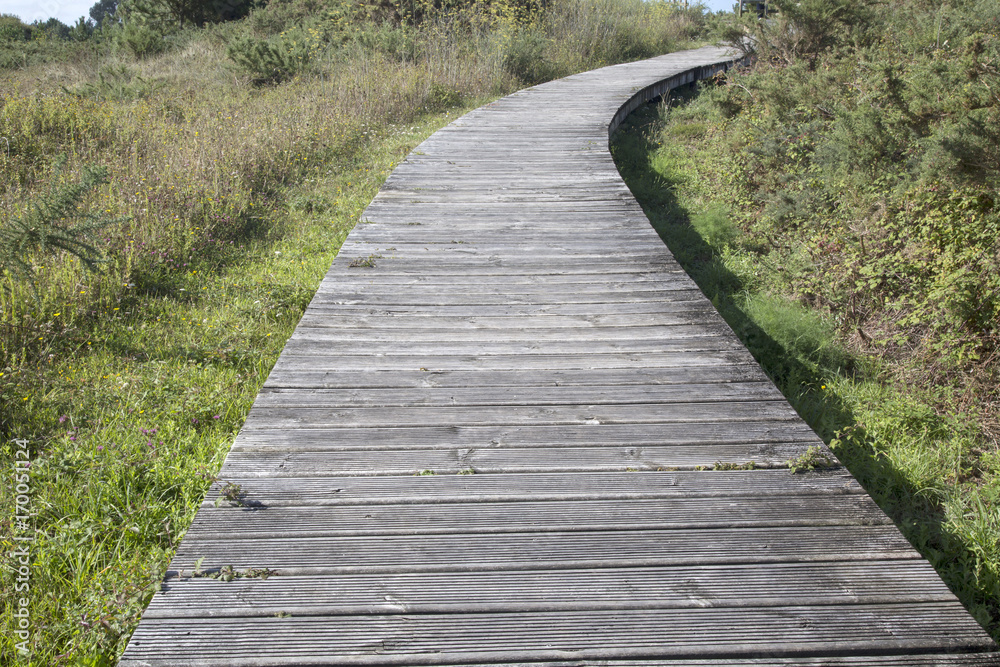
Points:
(231, 192)
(920, 450)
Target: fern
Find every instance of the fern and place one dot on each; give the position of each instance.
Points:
(44, 227)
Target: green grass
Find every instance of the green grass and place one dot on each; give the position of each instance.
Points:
(919, 449)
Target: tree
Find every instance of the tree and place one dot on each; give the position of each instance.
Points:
(804, 29)
(103, 9)
(82, 30)
(53, 28)
(183, 12)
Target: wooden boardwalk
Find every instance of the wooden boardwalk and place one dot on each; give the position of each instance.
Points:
(487, 448)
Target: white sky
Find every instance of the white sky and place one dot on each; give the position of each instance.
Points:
(68, 11)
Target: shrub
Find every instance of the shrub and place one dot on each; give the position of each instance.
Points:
(524, 56)
(441, 97)
(36, 128)
(114, 83)
(269, 60)
(396, 42)
(13, 30)
(141, 39)
(187, 12)
(804, 29)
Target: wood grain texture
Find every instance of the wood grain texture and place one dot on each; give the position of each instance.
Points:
(510, 430)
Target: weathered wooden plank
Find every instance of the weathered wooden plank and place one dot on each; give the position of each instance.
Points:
(332, 461)
(518, 396)
(311, 342)
(447, 280)
(320, 378)
(590, 635)
(895, 660)
(595, 414)
(646, 254)
(646, 245)
(585, 334)
(436, 299)
(329, 317)
(513, 304)
(710, 433)
(681, 304)
(535, 487)
(765, 585)
(615, 292)
(610, 218)
(312, 357)
(255, 519)
(547, 550)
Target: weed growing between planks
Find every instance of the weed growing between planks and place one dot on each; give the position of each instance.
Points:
(919, 450)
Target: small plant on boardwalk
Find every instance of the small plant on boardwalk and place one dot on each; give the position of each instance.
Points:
(228, 572)
(233, 493)
(814, 458)
(749, 465)
(364, 262)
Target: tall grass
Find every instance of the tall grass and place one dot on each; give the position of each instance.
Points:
(231, 194)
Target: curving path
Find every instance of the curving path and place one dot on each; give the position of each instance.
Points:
(505, 309)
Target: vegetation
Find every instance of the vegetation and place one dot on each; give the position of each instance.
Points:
(211, 170)
(41, 230)
(838, 202)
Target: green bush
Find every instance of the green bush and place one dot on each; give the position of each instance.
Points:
(524, 56)
(114, 83)
(441, 97)
(141, 39)
(271, 60)
(186, 12)
(23, 45)
(860, 161)
(802, 30)
(13, 30)
(396, 42)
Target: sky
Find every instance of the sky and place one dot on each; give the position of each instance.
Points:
(68, 11)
